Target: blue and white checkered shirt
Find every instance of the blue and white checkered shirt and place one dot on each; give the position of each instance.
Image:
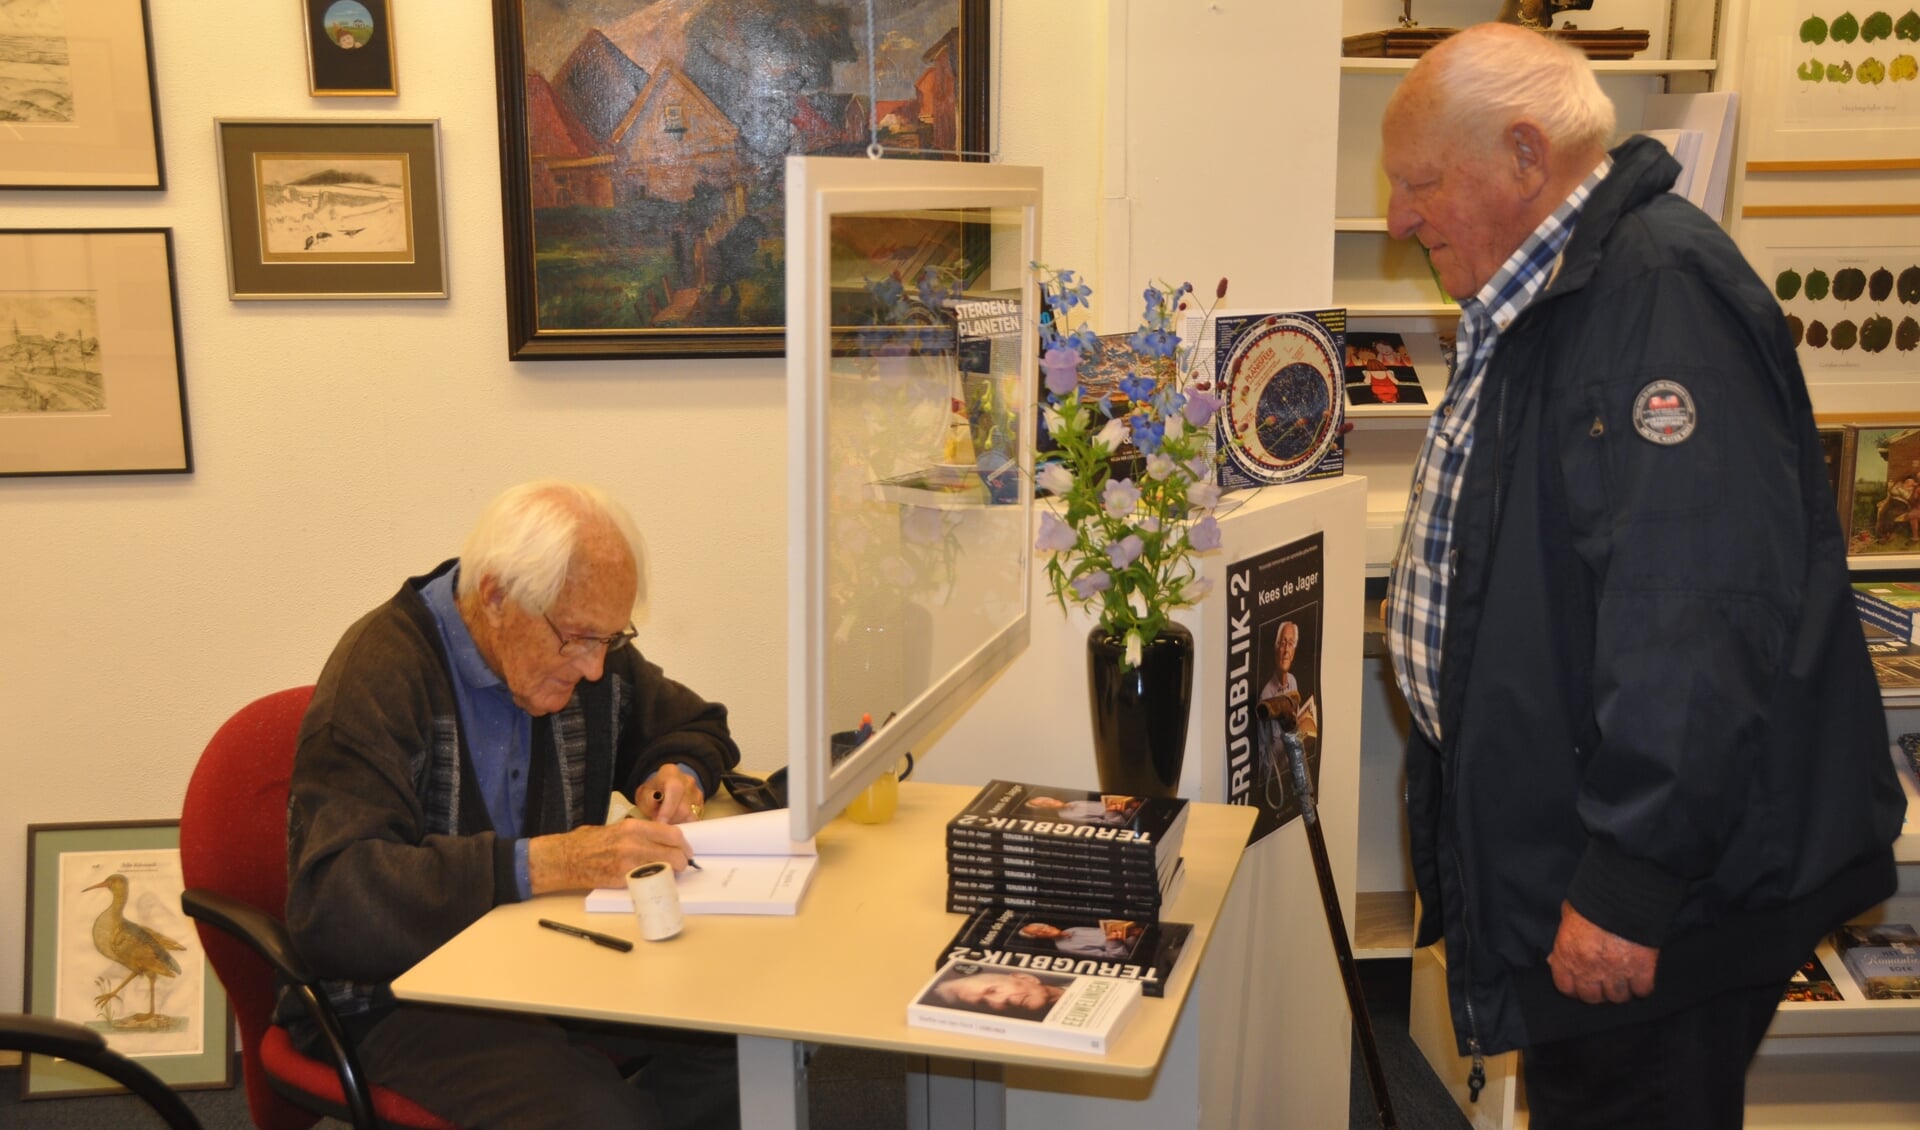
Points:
(1422, 568)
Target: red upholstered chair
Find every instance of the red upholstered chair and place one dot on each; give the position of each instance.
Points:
(233, 855)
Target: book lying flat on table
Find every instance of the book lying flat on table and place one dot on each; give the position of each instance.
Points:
(1094, 824)
(1131, 950)
(1067, 900)
(748, 865)
(1054, 1009)
(1884, 959)
(1889, 605)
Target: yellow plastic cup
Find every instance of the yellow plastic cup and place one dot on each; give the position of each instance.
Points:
(877, 802)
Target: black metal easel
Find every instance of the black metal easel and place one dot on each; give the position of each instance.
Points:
(1337, 925)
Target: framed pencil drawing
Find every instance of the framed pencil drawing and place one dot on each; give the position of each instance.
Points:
(90, 373)
(350, 48)
(333, 209)
(108, 947)
(77, 96)
(642, 151)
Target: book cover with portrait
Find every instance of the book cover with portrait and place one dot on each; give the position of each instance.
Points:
(1055, 1009)
(1273, 677)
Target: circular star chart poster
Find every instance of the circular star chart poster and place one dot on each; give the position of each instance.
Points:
(1282, 412)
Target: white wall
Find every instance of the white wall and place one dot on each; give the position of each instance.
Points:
(341, 446)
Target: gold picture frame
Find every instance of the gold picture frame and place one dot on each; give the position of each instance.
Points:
(350, 48)
(332, 209)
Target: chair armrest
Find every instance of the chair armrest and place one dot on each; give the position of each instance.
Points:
(44, 1035)
(263, 933)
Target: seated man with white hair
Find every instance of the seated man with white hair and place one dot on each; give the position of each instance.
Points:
(462, 744)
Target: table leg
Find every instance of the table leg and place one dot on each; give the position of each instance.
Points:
(773, 1083)
(955, 1094)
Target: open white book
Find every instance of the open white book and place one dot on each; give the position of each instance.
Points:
(748, 865)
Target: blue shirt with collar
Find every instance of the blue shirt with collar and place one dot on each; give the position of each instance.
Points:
(499, 734)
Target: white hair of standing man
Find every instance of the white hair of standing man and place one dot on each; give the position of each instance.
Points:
(525, 539)
(1487, 77)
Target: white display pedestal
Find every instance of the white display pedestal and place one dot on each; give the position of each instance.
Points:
(1265, 1038)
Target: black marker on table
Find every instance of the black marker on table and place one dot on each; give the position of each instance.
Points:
(607, 940)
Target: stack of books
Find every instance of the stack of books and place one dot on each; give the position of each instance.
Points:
(1065, 851)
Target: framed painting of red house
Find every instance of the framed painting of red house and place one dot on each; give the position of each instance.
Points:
(642, 151)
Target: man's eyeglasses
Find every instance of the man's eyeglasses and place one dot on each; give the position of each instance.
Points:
(573, 647)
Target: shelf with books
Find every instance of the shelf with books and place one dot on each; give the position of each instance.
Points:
(1854, 1014)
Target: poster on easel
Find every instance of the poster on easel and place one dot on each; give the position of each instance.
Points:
(1275, 614)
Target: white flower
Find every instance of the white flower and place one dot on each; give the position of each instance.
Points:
(1176, 426)
(1203, 496)
(1137, 600)
(1056, 478)
(1133, 648)
(1159, 466)
(1054, 421)
(1113, 435)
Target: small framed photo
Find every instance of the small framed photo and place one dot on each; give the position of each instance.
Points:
(108, 947)
(350, 48)
(77, 96)
(1883, 488)
(332, 209)
(90, 374)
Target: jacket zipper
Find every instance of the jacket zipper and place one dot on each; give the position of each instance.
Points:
(1477, 1077)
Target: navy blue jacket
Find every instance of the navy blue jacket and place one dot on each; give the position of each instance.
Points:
(1655, 695)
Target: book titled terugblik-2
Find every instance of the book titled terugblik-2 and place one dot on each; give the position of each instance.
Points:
(1133, 950)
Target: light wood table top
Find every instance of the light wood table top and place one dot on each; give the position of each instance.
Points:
(840, 972)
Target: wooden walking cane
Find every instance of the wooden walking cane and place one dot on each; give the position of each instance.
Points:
(1337, 925)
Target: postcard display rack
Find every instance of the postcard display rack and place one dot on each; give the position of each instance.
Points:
(1846, 1063)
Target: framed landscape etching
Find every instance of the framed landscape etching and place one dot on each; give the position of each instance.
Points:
(349, 47)
(109, 948)
(76, 96)
(90, 374)
(333, 209)
(643, 149)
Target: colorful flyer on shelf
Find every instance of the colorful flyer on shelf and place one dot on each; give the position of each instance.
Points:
(1379, 370)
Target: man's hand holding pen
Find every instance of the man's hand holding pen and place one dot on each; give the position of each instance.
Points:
(600, 855)
(672, 796)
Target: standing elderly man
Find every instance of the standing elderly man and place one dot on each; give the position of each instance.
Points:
(460, 752)
(1648, 767)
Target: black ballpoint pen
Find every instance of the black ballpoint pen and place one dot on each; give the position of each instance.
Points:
(607, 940)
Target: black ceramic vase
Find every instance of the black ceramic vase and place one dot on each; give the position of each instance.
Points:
(1140, 714)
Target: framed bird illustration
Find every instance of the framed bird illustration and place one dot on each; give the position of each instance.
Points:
(108, 947)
